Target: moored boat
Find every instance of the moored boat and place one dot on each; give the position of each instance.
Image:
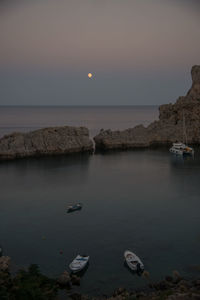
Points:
(181, 149)
(79, 263)
(75, 207)
(133, 261)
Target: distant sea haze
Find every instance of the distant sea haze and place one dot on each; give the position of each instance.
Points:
(28, 118)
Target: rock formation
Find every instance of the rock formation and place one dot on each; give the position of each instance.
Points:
(47, 141)
(169, 128)
(4, 263)
(64, 280)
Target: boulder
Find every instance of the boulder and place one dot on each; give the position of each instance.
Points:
(119, 291)
(169, 278)
(169, 127)
(4, 263)
(64, 280)
(47, 141)
(75, 280)
(76, 296)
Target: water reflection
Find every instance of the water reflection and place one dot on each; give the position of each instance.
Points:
(136, 199)
(46, 169)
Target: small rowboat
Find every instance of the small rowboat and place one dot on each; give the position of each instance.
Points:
(133, 261)
(75, 207)
(79, 263)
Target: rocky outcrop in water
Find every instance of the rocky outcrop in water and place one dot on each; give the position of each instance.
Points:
(169, 127)
(47, 141)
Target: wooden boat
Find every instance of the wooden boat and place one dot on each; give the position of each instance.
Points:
(133, 261)
(75, 207)
(79, 263)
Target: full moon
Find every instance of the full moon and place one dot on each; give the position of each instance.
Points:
(90, 75)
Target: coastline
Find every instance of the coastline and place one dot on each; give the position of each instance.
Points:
(68, 139)
(31, 281)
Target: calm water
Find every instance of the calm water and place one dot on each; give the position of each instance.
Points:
(144, 200)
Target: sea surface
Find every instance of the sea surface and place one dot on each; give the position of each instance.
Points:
(94, 117)
(143, 200)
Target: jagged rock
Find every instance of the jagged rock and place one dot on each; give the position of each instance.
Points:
(47, 141)
(119, 291)
(64, 280)
(163, 285)
(195, 296)
(4, 263)
(184, 296)
(76, 296)
(176, 277)
(169, 127)
(185, 283)
(196, 282)
(169, 278)
(75, 280)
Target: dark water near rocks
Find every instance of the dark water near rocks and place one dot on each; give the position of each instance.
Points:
(143, 200)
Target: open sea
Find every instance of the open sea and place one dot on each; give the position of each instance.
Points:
(93, 117)
(147, 201)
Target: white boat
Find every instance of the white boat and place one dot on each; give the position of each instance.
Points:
(181, 149)
(133, 261)
(79, 263)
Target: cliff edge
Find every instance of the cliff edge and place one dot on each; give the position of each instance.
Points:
(47, 141)
(169, 127)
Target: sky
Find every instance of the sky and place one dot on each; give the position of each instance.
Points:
(140, 52)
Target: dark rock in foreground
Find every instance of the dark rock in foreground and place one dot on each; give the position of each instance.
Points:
(32, 284)
(47, 141)
(169, 127)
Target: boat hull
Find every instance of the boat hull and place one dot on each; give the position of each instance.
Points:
(79, 263)
(181, 149)
(133, 261)
(74, 207)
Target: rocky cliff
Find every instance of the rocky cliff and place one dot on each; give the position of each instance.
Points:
(185, 113)
(47, 141)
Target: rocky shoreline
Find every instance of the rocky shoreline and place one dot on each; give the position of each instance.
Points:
(169, 127)
(31, 284)
(66, 139)
(47, 141)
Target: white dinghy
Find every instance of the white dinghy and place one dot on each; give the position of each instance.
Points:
(79, 263)
(133, 261)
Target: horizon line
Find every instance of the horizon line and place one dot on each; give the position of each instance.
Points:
(86, 105)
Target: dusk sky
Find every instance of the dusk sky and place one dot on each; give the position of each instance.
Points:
(140, 52)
